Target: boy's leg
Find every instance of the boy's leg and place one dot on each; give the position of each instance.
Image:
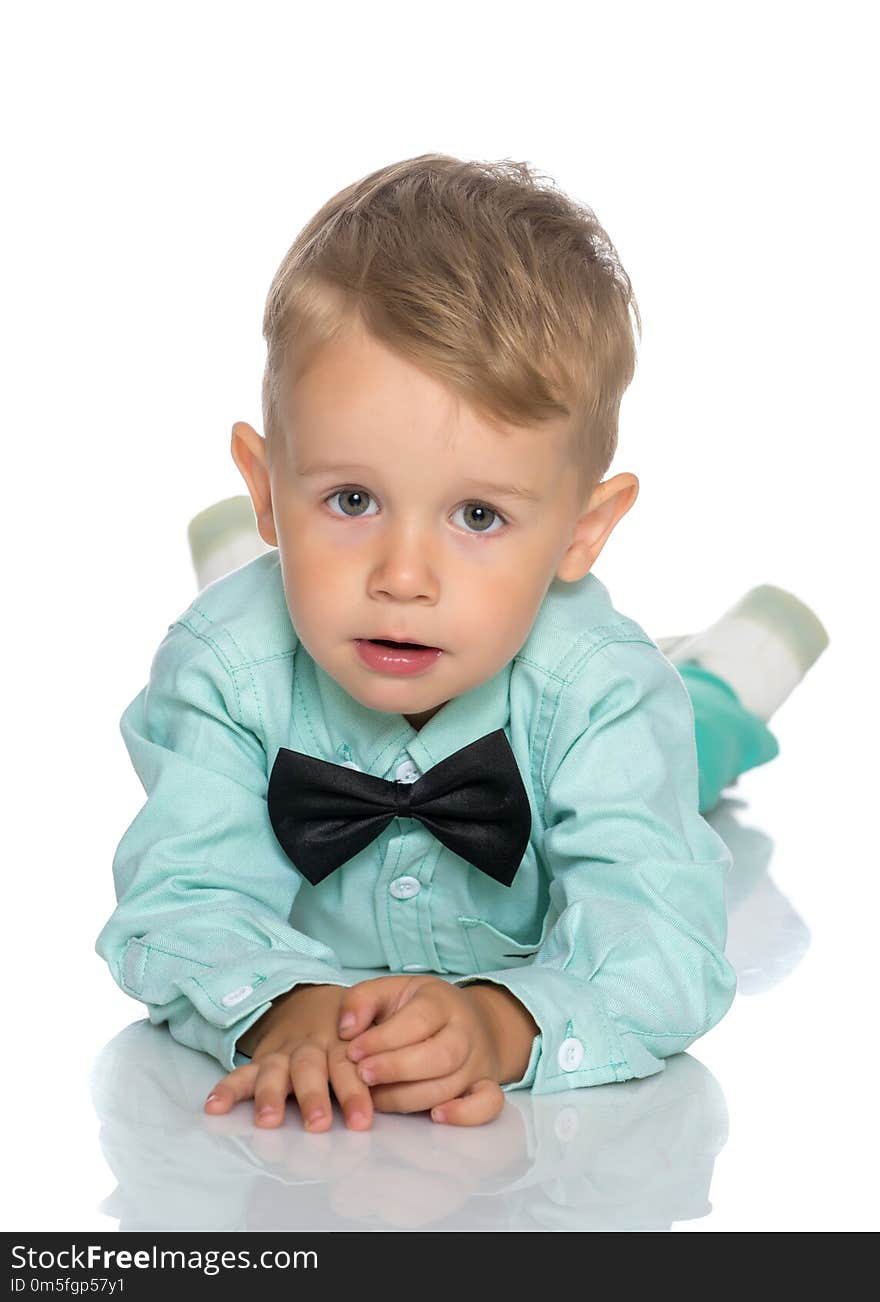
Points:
(730, 739)
(224, 537)
(738, 672)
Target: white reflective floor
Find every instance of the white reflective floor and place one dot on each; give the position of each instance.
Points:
(768, 1123)
(640, 1156)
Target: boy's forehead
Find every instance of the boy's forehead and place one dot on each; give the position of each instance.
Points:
(355, 385)
(365, 429)
(358, 406)
(526, 465)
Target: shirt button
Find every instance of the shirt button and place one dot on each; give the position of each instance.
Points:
(235, 996)
(407, 772)
(566, 1124)
(403, 888)
(571, 1054)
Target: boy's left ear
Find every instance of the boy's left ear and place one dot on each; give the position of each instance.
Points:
(608, 503)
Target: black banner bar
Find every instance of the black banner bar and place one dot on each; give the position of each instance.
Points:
(133, 1266)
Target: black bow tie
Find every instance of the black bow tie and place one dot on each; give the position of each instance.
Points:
(473, 801)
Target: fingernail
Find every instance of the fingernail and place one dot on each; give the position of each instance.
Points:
(438, 1114)
(347, 1022)
(212, 1098)
(266, 1112)
(367, 1076)
(357, 1054)
(358, 1118)
(314, 1117)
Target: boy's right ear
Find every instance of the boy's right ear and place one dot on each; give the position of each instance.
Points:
(249, 454)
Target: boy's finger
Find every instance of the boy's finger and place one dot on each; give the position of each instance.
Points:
(271, 1089)
(363, 1003)
(439, 1055)
(482, 1102)
(309, 1075)
(239, 1084)
(409, 1025)
(352, 1094)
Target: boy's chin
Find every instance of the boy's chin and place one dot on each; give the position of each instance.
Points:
(393, 697)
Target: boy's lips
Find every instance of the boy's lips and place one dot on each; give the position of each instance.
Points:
(400, 642)
(388, 657)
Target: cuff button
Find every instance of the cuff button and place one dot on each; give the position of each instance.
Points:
(571, 1054)
(235, 996)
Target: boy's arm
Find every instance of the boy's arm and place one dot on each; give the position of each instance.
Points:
(633, 969)
(204, 890)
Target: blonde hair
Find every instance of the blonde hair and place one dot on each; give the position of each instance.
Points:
(490, 280)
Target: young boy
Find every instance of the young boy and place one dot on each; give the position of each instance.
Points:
(423, 820)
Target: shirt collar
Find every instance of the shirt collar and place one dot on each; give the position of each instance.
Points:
(376, 738)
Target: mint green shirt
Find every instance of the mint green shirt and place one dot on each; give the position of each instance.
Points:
(612, 932)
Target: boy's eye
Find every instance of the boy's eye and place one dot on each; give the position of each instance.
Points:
(481, 515)
(353, 503)
(357, 498)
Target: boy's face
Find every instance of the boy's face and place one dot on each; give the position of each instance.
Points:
(401, 536)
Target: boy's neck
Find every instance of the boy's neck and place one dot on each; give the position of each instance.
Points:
(418, 721)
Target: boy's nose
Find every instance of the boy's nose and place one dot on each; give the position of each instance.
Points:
(405, 567)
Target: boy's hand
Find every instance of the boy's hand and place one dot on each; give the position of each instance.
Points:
(432, 1035)
(294, 1047)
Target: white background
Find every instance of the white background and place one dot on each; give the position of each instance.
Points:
(159, 160)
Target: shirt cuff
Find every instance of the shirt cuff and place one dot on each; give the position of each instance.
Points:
(229, 1002)
(578, 1043)
(528, 1077)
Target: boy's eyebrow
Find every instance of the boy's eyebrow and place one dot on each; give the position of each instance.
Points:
(499, 490)
(505, 490)
(319, 467)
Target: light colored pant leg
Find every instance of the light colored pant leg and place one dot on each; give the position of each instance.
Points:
(730, 739)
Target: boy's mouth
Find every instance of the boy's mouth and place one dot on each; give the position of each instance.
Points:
(387, 655)
(402, 646)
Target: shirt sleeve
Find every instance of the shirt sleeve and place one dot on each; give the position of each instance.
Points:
(633, 968)
(204, 890)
